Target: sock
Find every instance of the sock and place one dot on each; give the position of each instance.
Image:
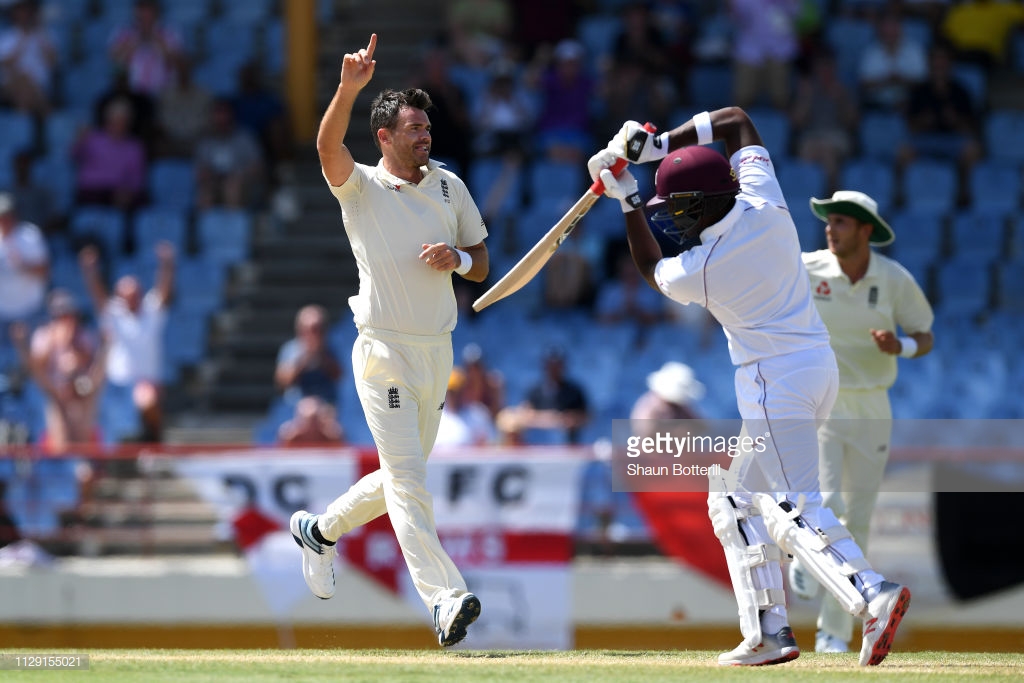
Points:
(774, 620)
(315, 532)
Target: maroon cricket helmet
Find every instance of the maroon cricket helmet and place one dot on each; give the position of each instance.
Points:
(684, 179)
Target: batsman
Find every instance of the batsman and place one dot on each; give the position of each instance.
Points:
(740, 259)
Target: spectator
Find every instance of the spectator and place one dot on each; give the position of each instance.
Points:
(483, 385)
(24, 268)
(229, 163)
(980, 30)
(306, 365)
(66, 361)
(555, 408)
(144, 123)
(672, 390)
(643, 65)
(627, 298)
(27, 59)
(259, 110)
(564, 89)
(942, 119)
(35, 200)
(134, 324)
(315, 424)
(8, 526)
(111, 162)
(764, 49)
(463, 422)
(478, 30)
(450, 129)
(183, 112)
(891, 65)
(824, 116)
(147, 49)
(569, 276)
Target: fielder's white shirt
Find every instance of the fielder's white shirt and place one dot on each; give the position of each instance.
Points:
(747, 270)
(21, 293)
(388, 220)
(886, 298)
(136, 340)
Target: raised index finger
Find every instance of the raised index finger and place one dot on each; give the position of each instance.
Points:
(371, 46)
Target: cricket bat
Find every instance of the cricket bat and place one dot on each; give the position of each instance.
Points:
(531, 264)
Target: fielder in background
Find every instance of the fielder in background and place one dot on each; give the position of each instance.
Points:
(411, 224)
(746, 271)
(863, 297)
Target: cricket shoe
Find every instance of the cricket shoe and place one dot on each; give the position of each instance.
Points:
(801, 582)
(881, 619)
(317, 558)
(773, 649)
(453, 616)
(826, 642)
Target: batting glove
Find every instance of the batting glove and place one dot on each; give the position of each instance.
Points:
(639, 146)
(600, 161)
(624, 188)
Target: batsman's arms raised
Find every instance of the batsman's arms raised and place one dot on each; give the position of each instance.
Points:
(731, 125)
(888, 342)
(444, 257)
(356, 71)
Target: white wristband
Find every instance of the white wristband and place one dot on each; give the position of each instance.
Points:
(465, 262)
(702, 122)
(908, 347)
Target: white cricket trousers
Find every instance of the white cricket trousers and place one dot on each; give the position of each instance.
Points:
(854, 444)
(401, 381)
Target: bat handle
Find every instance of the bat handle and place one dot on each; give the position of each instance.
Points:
(619, 165)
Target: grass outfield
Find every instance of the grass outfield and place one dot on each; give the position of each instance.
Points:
(387, 666)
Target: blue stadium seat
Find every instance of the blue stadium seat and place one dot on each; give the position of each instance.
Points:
(1004, 135)
(199, 286)
(18, 130)
(930, 184)
(979, 235)
(223, 235)
(117, 10)
(801, 180)
(65, 10)
(963, 288)
(241, 46)
(597, 33)
(274, 47)
(83, 83)
(65, 273)
(848, 36)
(61, 129)
(484, 175)
(975, 80)
(105, 225)
(1010, 284)
(710, 86)
(996, 184)
(773, 126)
(218, 74)
(874, 178)
(181, 12)
(172, 184)
(58, 175)
(185, 338)
(881, 135)
(153, 225)
(248, 12)
(119, 418)
(552, 181)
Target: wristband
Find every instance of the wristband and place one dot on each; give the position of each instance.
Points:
(702, 122)
(631, 203)
(908, 347)
(465, 262)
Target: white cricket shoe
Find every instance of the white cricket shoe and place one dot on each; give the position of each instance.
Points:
(773, 649)
(317, 558)
(801, 582)
(453, 616)
(881, 619)
(826, 642)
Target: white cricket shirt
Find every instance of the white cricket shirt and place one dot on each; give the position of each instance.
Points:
(747, 270)
(388, 220)
(21, 293)
(886, 298)
(136, 340)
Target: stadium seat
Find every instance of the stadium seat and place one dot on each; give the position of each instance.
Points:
(61, 129)
(58, 175)
(119, 418)
(242, 44)
(979, 235)
(1010, 284)
(185, 338)
(83, 83)
(1004, 135)
(881, 135)
(172, 184)
(249, 12)
(996, 184)
(189, 12)
(847, 36)
(963, 288)
(597, 33)
(18, 130)
(105, 225)
(874, 178)
(199, 286)
(273, 47)
(484, 175)
(975, 80)
(930, 184)
(223, 235)
(64, 10)
(801, 180)
(710, 86)
(153, 225)
(219, 74)
(773, 126)
(552, 181)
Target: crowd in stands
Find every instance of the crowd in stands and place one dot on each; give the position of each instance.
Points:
(132, 132)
